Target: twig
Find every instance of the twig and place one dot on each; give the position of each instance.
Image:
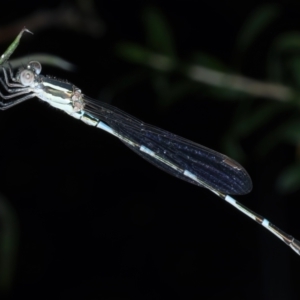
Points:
(240, 83)
(208, 76)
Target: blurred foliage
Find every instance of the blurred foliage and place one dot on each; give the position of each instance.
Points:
(12, 47)
(158, 33)
(254, 26)
(173, 79)
(283, 69)
(283, 63)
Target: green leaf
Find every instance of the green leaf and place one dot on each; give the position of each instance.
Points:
(288, 43)
(225, 93)
(12, 47)
(247, 121)
(128, 81)
(176, 91)
(140, 55)
(208, 61)
(233, 148)
(44, 59)
(293, 65)
(158, 32)
(286, 132)
(289, 180)
(132, 53)
(255, 24)
(290, 132)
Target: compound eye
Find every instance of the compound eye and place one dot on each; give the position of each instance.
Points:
(26, 77)
(35, 66)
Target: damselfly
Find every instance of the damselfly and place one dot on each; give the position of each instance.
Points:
(179, 157)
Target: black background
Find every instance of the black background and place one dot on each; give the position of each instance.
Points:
(95, 221)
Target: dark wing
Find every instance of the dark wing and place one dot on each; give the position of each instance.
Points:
(213, 170)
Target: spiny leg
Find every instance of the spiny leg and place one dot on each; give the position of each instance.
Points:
(19, 85)
(5, 97)
(12, 78)
(12, 90)
(4, 106)
(20, 91)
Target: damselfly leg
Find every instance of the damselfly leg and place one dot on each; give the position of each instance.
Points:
(18, 90)
(11, 78)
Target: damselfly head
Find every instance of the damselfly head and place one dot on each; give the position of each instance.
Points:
(26, 77)
(35, 66)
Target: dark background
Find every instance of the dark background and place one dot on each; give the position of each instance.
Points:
(92, 220)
